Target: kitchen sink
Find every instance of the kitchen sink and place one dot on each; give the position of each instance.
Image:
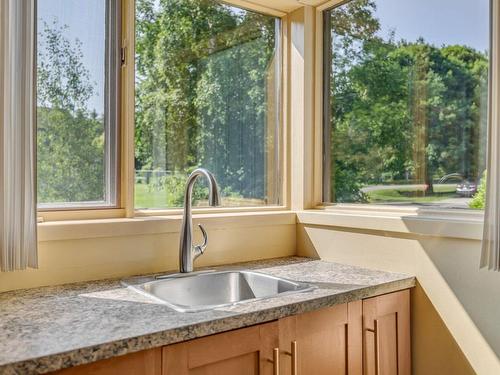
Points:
(198, 291)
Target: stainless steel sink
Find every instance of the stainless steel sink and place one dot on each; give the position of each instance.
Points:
(200, 291)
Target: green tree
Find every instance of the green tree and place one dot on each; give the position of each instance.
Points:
(70, 138)
(202, 95)
(402, 111)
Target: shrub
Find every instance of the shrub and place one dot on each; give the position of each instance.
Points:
(479, 199)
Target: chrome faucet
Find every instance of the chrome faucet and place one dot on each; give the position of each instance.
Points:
(187, 251)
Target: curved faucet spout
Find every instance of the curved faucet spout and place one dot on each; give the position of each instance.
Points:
(187, 251)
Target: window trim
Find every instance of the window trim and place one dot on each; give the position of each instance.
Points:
(113, 105)
(281, 127)
(403, 224)
(125, 170)
(56, 219)
(112, 123)
(320, 125)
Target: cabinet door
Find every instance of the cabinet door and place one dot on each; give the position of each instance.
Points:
(327, 341)
(247, 351)
(146, 362)
(386, 334)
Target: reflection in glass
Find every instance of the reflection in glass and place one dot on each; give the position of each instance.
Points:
(206, 96)
(407, 109)
(71, 121)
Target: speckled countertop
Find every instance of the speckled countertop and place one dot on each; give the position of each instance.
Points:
(51, 328)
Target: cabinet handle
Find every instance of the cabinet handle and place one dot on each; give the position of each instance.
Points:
(293, 355)
(276, 361)
(294, 358)
(377, 344)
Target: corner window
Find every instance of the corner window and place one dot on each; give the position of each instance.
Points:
(77, 114)
(406, 102)
(207, 95)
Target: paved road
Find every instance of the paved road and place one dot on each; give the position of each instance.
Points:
(453, 203)
(457, 202)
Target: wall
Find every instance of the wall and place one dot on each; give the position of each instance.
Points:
(97, 254)
(455, 307)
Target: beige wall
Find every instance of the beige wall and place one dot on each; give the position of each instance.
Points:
(65, 261)
(456, 307)
(435, 350)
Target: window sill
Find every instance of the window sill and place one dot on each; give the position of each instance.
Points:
(460, 224)
(117, 227)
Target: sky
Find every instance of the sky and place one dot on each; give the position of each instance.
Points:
(86, 21)
(437, 21)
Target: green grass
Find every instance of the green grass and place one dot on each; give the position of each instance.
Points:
(401, 195)
(151, 198)
(144, 198)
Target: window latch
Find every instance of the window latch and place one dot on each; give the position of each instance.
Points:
(123, 55)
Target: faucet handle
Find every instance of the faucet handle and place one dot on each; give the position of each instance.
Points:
(200, 249)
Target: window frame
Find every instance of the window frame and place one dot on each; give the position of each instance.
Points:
(301, 195)
(125, 168)
(279, 158)
(321, 126)
(112, 123)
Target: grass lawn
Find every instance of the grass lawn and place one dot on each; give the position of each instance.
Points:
(441, 192)
(144, 198)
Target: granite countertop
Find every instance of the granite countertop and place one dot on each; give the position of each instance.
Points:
(51, 328)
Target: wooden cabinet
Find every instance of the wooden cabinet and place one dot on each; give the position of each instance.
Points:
(386, 334)
(247, 351)
(370, 337)
(327, 341)
(146, 362)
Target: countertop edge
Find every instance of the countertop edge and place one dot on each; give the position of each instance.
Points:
(129, 345)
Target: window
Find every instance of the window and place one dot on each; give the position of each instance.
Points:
(406, 102)
(207, 95)
(77, 65)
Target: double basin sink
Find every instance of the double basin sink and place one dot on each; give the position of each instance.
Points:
(206, 290)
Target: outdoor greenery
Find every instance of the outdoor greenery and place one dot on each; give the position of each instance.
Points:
(479, 200)
(70, 145)
(402, 112)
(204, 85)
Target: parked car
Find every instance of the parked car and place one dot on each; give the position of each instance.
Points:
(466, 188)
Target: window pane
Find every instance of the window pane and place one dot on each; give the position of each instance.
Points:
(407, 102)
(206, 96)
(75, 160)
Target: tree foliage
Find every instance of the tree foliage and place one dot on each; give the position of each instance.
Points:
(202, 94)
(70, 138)
(402, 111)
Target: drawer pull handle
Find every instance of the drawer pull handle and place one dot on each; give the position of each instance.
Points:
(293, 354)
(276, 361)
(377, 344)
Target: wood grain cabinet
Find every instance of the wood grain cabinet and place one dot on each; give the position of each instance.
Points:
(369, 337)
(247, 351)
(146, 362)
(326, 341)
(386, 334)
